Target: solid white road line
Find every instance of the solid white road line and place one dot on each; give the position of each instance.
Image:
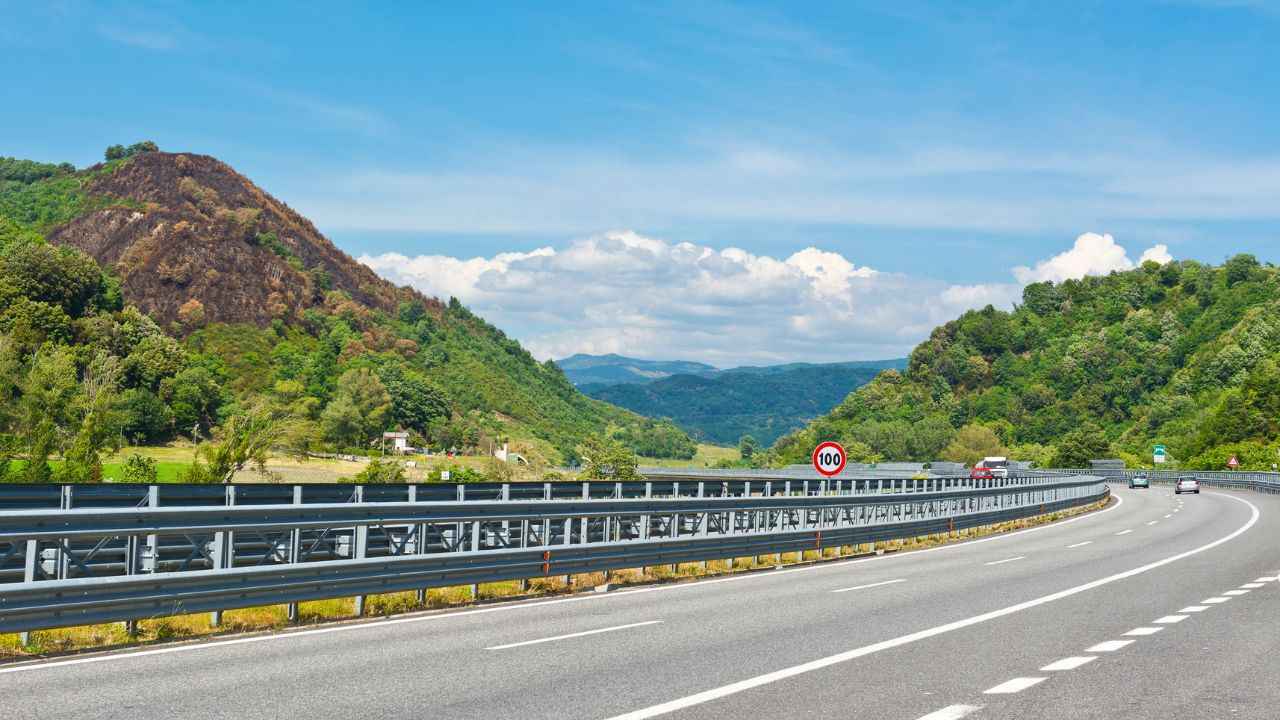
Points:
(534, 604)
(1015, 685)
(1214, 600)
(872, 585)
(1070, 663)
(1007, 560)
(954, 712)
(570, 636)
(1080, 544)
(707, 696)
(1109, 646)
(1143, 631)
(1194, 609)
(1252, 586)
(1265, 579)
(1124, 532)
(1236, 593)
(1170, 620)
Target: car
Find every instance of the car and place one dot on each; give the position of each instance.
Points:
(1139, 481)
(981, 473)
(1190, 485)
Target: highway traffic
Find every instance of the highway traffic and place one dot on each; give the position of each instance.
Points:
(1156, 607)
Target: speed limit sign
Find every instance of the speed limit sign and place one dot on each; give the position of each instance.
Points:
(829, 459)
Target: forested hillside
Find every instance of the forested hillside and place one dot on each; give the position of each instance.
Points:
(584, 370)
(764, 403)
(158, 295)
(1185, 354)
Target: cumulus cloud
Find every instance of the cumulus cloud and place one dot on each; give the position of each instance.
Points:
(1092, 254)
(628, 293)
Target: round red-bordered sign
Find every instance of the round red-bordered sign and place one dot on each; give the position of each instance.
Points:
(829, 459)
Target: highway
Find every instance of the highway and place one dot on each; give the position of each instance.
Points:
(1157, 607)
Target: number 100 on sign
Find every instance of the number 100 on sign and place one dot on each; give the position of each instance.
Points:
(829, 459)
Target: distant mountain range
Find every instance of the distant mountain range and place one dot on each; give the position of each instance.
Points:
(616, 369)
(721, 406)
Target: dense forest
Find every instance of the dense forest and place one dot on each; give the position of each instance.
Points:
(1183, 354)
(157, 296)
(764, 403)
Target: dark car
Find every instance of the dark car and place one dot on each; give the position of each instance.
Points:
(1187, 485)
(1139, 481)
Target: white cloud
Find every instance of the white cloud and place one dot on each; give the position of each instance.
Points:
(1092, 254)
(627, 293)
(1158, 253)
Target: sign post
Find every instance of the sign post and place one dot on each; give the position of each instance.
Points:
(829, 459)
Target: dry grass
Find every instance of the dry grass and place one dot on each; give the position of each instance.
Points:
(275, 617)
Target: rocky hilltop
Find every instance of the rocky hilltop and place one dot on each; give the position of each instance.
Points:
(195, 242)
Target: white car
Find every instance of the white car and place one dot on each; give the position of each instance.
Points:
(1190, 485)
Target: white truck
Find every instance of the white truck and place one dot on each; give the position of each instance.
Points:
(999, 466)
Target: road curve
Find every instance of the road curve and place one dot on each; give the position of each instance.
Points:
(1078, 619)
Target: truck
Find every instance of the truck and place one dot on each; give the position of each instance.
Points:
(999, 466)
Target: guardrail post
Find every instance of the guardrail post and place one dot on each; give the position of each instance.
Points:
(420, 545)
(224, 552)
(133, 556)
(30, 561)
(361, 547)
(295, 539)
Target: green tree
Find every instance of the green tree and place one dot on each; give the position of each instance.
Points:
(97, 423)
(245, 440)
(139, 468)
(380, 471)
(972, 443)
(415, 402)
(1079, 446)
(45, 409)
(747, 447)
(607, 459)
(359, 411)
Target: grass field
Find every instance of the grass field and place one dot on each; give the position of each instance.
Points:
(172, 459)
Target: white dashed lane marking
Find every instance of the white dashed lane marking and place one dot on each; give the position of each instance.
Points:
(954, 712)
(1215, 600)
(872, 585)
(1080, 544)
(1015, 685)
(1110, 646)
(1007, 560)
(1236, 593)
(570, 636)
(1070, 663)
(1124, 532)
(1170, 619)
(1153, 522)
(1252, 585)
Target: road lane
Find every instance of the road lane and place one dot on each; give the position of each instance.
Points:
(713, 633)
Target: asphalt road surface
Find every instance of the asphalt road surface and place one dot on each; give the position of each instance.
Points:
(1157, 607)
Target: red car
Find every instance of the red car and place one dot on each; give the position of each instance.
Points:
(981, 473)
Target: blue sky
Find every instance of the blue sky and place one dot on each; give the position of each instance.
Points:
(922, 140)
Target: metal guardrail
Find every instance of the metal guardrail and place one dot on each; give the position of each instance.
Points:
(90, 565)
(1268, 482)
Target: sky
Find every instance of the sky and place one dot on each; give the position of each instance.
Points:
(735, 183)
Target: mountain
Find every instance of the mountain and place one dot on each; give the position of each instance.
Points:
(213, 294)
(764, 403)
(615, 369)
(1185, 355)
